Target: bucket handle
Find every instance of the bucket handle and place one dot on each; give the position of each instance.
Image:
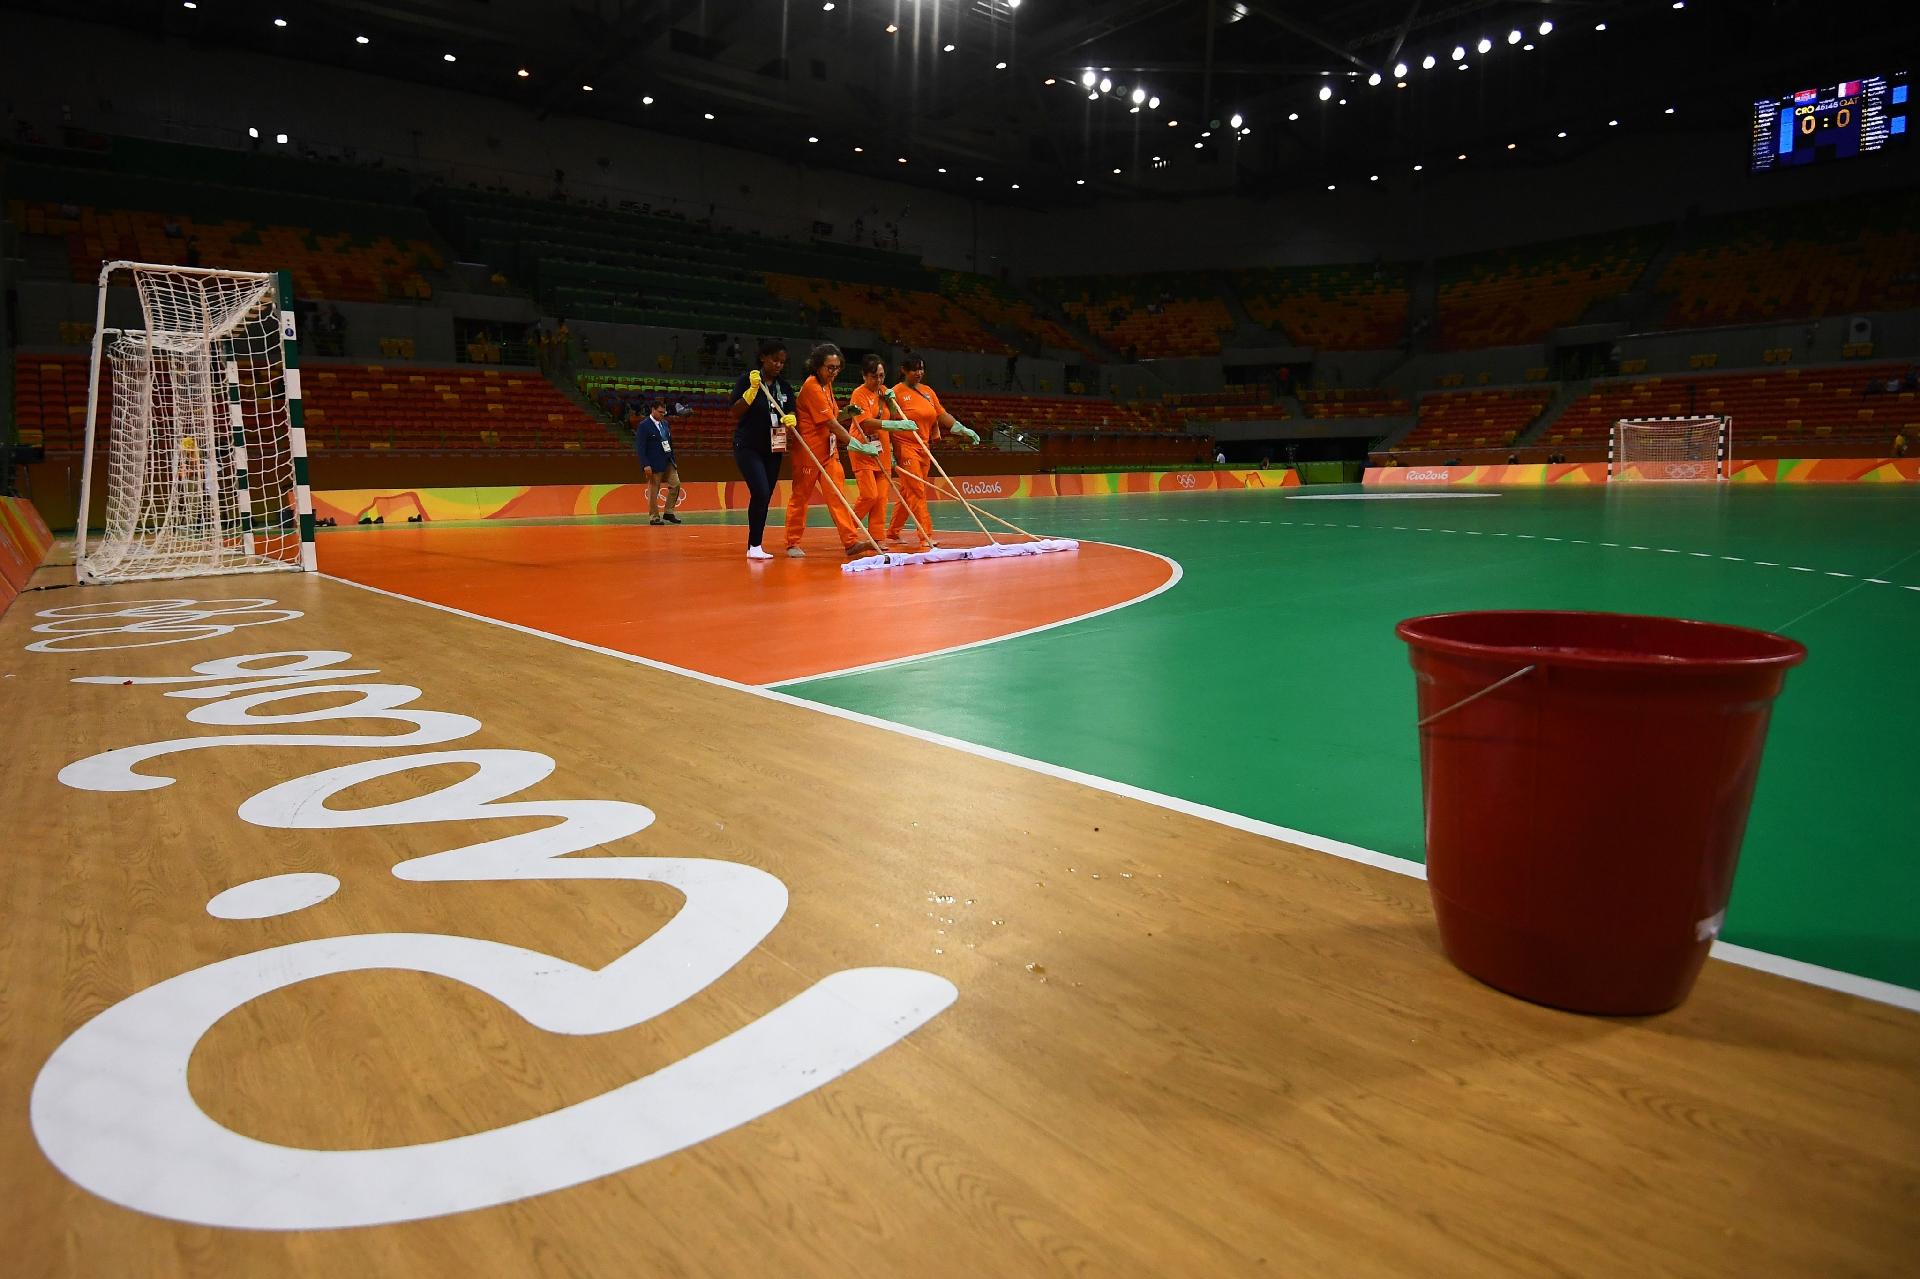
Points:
(1474, 697)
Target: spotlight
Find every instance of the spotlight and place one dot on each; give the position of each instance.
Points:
(1235, 121)
(523, 73)
(1133, 110)
(892, 29)
(1418, 167)
(1293, 115)
(811, 138)
(1545, 28)
(999, 66)
(647, 101)
(1016, 186)
(1373, 81)
(1485, 45)
(1079, 182)
(1669, 111)
(1613, 124)
(1343, 102)
(1094, 96)
(448, 57)
(1513, 37)
(1106, 85)
(1116, 173)
(859, 150)
(1461, 156)
(1198, 145)
(1512, 145)
(361, 40)
(901, 159)
(1679, 4)
(1329, 186)
(1374, 178)
(279, 22)
(1139, 96)
(1399, 70)
(1426, 63)
(827, 7)
(707, 115)
(189, 4)
(1048, 81)
(1459, 53)
(1325, 93)
(281, 138)
(978, 178)
(586, 88)
(1562, 133)
(943, 168)
(1088, 79)
(253, 133)
(1527, 47)
(1599, 26)
(946, 48)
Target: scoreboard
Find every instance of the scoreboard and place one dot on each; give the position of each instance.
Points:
(1833, 122)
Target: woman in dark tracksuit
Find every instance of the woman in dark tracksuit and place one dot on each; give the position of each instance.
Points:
(764, 401)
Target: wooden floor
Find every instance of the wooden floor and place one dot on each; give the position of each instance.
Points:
(1005, 1024)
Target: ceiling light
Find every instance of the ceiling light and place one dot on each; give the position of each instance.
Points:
(1173, 124)
(1512, 145)
(1088, 79)
(1048, 80)
(1418, 167)
(1235, 121)
(811, 138)
(827, 7)
(999, 66)
(1374, 178)
(448, 57)
(1399, 70)
(190, 5)
(1329, 186)
(1401, 85)
(646, 101)
(859, 150)
(1373, 81)
(900, 159)
(1293, 115)
(1427, 62)
(1106, 85)
(1485, 45)
(281, 138)
(1459, 52)
(943, 168)
(1013, 4)
(1079, 182)
(1326, 92)
(1527, 47)
(892, 29)
(1116, 173)
(978, 178)
(361, 40)
(1461, 156)
(1563, 133)
(1513, 37)
(1094, 96)
(1461, 67)
(1679, 4)
(1153, 104)
(586, 88)
(1016, 186)
(1669, 111)
(1343, 102)
(279, 22)
(708, 115)
(948, 48)
(1599, 26)
(253, 133)
(1613, 124)
(523, 73)
(1139, 96)
(1198, 145)
(1133, 110)
(1545, 28)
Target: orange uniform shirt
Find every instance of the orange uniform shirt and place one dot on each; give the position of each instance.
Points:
(813, 413)
(871, 405)
(923, 406)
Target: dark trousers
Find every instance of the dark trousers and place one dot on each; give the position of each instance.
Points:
(760, 468)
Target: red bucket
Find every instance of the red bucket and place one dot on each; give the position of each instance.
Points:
(1587, 778)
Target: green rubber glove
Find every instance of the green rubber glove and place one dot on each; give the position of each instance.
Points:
(864, 449)
(894, 424)
(965, 432)
(753, 387)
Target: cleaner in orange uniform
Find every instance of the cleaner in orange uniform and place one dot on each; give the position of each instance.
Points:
(879, 420)
(913, 457)
(819, 425)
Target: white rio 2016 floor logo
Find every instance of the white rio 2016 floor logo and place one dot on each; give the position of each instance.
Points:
(111, 1107)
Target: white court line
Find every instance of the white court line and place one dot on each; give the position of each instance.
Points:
(1780, 965)
(1172, 581)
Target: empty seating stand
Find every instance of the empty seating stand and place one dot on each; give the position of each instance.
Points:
(1836, 410)
(1152, 316)
(1357, 402)
(1514, 296)
(375, 407)
(1360, 306)
(1464, 420)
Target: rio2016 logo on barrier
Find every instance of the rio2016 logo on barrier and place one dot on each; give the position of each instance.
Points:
(112, 1109)
(983, 488)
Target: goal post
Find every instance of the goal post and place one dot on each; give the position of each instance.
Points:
(1670, 449)
(200, 428)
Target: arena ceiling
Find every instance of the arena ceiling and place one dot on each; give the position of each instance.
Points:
(989, 97)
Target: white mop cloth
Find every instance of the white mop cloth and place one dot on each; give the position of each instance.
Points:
(991, 551)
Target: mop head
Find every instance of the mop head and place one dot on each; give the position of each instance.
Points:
(946, 555)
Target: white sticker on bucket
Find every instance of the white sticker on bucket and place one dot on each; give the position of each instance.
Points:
(1709, 928)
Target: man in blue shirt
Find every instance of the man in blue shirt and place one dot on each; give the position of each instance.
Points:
(653, 440)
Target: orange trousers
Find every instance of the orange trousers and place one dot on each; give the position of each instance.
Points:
(871, 507)
(807, 478)
(912, 484)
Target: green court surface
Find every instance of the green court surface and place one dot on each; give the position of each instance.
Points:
(1268, 682)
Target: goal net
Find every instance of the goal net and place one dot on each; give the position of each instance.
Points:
(1670, 448)
(205, 455)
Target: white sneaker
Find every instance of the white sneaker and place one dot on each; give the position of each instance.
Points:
(755, 553)
(795, 553)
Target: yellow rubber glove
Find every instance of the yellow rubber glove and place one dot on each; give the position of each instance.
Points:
(789, 421)
(753, 387)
